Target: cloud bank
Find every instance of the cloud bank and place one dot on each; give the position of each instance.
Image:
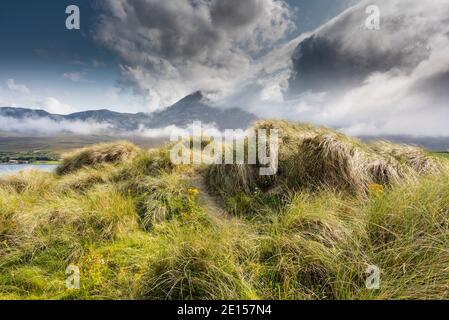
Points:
(53, 105)
(51, 127)
(20, 88)
(47, 126)
(75, 76)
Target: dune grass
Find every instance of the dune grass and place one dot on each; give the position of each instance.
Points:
(139, 228)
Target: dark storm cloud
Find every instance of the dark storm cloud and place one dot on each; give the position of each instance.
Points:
(172, 30)
(436, 85)
(234, 14)
(344, 53)
(323, 65)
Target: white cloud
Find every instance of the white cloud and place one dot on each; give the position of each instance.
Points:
(75, 76)
(113, 94)
(208, 129)
(53, 105)
(48, 126)
(13, 86)
(165, 132)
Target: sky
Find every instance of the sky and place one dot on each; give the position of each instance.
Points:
(44, 65)
(307, 60)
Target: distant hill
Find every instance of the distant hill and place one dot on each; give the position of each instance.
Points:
(194, 107)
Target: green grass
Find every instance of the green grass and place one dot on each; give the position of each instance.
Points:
(442, 154)
(140, 228)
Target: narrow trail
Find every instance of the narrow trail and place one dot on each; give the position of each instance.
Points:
(212, 204)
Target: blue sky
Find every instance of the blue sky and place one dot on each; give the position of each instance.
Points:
(47, 61)
(37, 50)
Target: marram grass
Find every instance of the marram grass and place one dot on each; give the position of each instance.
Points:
(140, 228)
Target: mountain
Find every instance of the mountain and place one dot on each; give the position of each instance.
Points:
(194, 107)
(197, 107)
(22, 113)
(118, 121)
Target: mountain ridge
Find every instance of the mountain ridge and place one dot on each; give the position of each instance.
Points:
(194, 107)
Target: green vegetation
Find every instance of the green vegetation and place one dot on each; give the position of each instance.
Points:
(442, 154)
(35, 157)
(139, 227)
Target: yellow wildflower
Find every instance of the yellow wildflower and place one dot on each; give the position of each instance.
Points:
(376, 189)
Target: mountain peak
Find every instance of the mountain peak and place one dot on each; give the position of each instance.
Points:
(194, 98)
(197, 95)
(197, 107)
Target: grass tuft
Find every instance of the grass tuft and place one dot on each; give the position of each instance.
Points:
(96, 156)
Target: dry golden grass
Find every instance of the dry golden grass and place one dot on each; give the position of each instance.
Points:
(97, 155)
